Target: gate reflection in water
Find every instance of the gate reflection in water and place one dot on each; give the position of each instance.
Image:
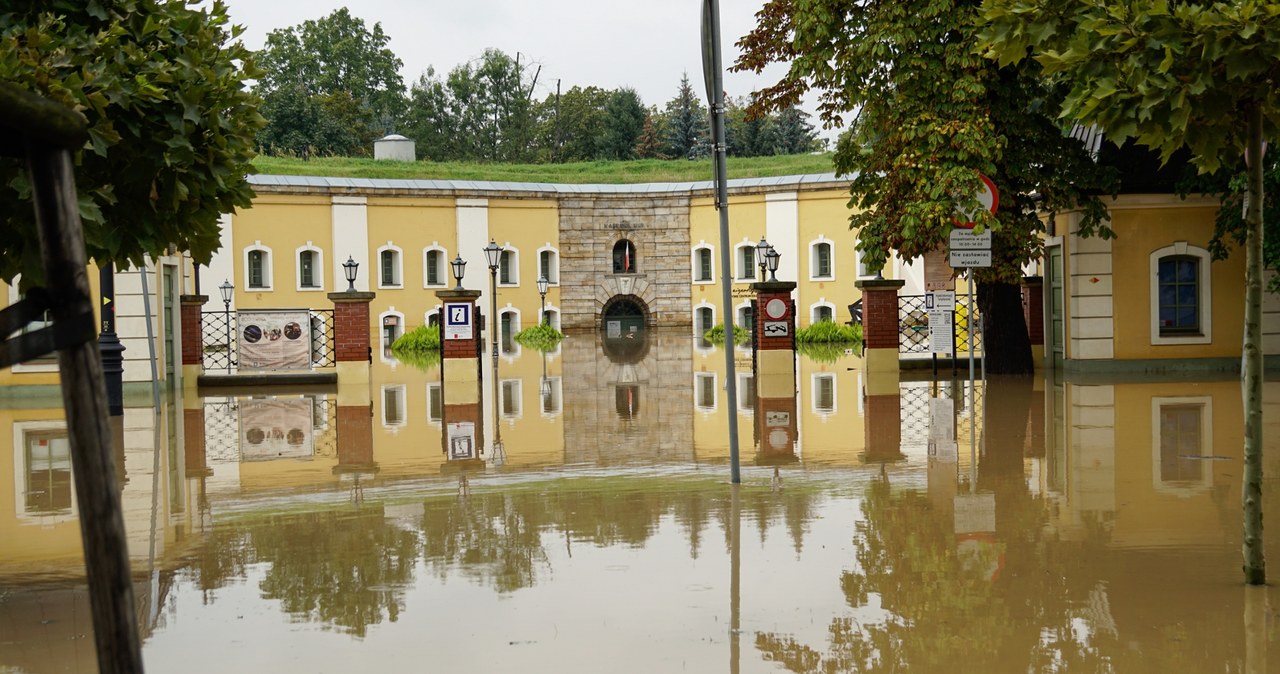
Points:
(1091, 528)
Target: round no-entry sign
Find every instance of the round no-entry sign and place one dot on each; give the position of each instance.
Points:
(988, 199)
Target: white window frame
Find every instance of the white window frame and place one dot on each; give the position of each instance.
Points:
(813, 259)
(401, 394)
(444, 272)
(20, 431)
(813, 394)
(1204, 289)
(516, 324)
(1184, 489)
(267, 271)
(435, 391)
(517, 385)
(739, 322)
(697, 330)
(743, 404)
(317, 269)
(739, 274)
(860, 266)
(822, 303)
(553, 280)
(553, 317)
(37, 365)
(434, 311)
(397, 268)
(515, 267)
(715, 392)
(384, 346)
(694, 264)
(557, 393)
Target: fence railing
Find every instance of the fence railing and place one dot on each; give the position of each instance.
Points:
(221, 340)
(913, 325)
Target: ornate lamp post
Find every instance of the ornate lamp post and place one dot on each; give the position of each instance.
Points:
(542, 292)
(771, 261)
(349, 269)
(227, 289)
(459, 268)
(491, 255)
(762, 250)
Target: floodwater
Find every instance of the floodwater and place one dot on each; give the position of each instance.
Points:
(580, 519)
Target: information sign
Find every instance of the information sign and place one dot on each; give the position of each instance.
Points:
(457, 320)
(940, 321)
(965, 259)
(965, 239)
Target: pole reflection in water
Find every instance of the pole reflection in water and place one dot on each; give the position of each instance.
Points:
(1110, 542)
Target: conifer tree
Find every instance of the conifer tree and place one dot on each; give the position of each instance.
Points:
(687, 128)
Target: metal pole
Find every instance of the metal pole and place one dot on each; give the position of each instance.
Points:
(493, 310)
(711, 49)
(226, 319)
(151, 338)
(109, 343)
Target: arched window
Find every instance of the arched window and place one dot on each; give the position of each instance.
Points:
(1180, 295)
(508, 327)
(746, 319)
(746, 257)
(703, 266)
(435, 268)
(624, 257)
(310, 268)
(392, 323)
(821, 261)
(257, 267)
(509, 267)
(549, 265)
(822, 311)
(389, 266)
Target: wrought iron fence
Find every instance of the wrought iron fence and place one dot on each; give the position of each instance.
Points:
(222, 427)
(221, 340)
(913, 325)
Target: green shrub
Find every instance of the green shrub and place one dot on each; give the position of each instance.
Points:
(421, 338)
(829, 332)
(541, 337)
(823, 352)
(716, 335)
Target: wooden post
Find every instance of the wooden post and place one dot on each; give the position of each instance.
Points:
(50, 128)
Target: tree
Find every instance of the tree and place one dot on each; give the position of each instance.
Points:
(429, 120)
(572, 124)
(931, 115)
(1171, 75)
(649, 144)
(688, 132)
(330, 60)
(795, 134)
(624, 122)
(171, 126)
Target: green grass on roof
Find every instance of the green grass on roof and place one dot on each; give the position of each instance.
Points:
(604, 172)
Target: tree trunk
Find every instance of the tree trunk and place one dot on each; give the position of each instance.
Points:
(1006, 347)
(1255, 569)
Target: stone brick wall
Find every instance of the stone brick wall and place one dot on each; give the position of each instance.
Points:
(351, 326)
(192, 328)
(880, 313)
(659, 228)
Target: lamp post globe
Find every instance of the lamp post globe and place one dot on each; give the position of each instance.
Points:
(542, 292)
(226, 289)
(459, 268)
(349, 269)
(762, 249)
(771, 261)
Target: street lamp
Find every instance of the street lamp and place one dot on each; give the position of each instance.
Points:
(491, 254)
(771, 260)
(542, 291)
(226, 289)
(349, 268)
(459, 267)
(762, 250)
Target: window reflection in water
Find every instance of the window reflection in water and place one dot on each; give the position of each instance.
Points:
(48, 475)
(626, 400)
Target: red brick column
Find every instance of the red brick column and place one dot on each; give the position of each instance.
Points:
(450, 345)
(351, 326)
(880, 327)
(1033, 312)
(192, 328)
(767, 291)
(1033, 308)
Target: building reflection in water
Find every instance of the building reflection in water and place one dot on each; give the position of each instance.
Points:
(1072, 528)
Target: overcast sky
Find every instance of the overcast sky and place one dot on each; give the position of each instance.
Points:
(644, 45)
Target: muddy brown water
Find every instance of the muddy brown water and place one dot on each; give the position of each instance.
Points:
(1028, 525)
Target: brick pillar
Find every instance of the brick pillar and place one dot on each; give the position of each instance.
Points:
(1033, 312)
(351, 339)
(192, 325)
(880, 327)
(460, 346)
(775, 328)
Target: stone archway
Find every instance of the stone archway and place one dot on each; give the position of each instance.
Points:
(624, 315)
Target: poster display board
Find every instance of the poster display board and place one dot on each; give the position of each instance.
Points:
(272, 428)
(274, 340)
(462, 440)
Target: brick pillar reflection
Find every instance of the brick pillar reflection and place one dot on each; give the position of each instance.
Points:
(351, 341)
(880, 329)
(193, 445)
(1033, 313)
(355, 439)
(882, 427)
(191, 322)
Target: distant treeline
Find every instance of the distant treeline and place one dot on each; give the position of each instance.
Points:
(330, 87)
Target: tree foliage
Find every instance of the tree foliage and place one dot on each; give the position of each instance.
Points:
(688, 130)
(931, 115)
(329, 86)
(171, 125)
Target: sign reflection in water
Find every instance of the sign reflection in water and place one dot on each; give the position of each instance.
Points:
(1109, 542)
